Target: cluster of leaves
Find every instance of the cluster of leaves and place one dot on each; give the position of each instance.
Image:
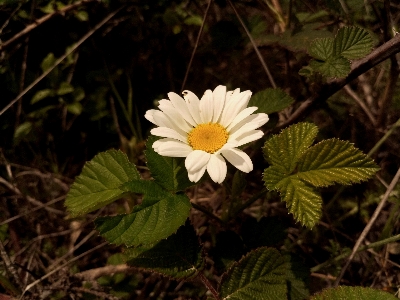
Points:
(154, 233)
(332, 55)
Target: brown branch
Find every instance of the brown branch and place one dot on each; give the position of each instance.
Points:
(40, 21)
(93, 274)
(358, 67)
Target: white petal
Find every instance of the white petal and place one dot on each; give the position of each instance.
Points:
(243, 114)
(181, 106)
(249, 123)
(196, 160)
(236, 104)
(149, 115)
(168, 133)
(216, 167)
(206, 107)
(249, 137)
(162, 120)
(193, 104)
(195, 176)
(174, 115)
(171, 148)
(219, 95)
(230, 94)
(229, 145)
(239, 159)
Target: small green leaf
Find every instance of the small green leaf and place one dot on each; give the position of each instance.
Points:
(353, 293)
(159, 216)
(261, 274)
(99, 182)
(65, 88)
(270, 100)
(285, 148)
(81, 15)
(335, 161)
(333, 67)
(169, 172)
(48, 62)
(42, 94)
(179, 256)
(321, 49)
(75, 108)
(352, 42)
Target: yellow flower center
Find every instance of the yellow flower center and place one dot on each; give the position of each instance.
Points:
(209, 137)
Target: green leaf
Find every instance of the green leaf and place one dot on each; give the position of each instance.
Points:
(75, 108)
(352, 42)
(301, 200)
(337, 67)
(99, 182)
(169, 172)
(335, 161)
(353, 293)
(81, 15)
(48, 62)
(321, 49)
(179, 256)
(65, 88)
(261, 274)
(270, 100)
(297, 279)
(159, 216)
(285, 148)
(42, 94)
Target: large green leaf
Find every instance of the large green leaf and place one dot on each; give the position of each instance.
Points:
(285, 148)
(321, 49)
(100, 181)
(335, 161)
(353, 293)
(169, 172)
(159, 216)
(270, 100)
(295, 171)
(261, 274)
(179, 256)
(302, 200)
(298, 279)
(336, 66)
(352, 42)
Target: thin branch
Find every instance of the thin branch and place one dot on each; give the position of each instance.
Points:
(392, 239)
(9, 265)
(93, 274)
(208, 284)
(196, 44)
(358, 67)
(58, 61)
(40, 21)
(271, 79)
(61, 267)
(207, 213)
(361, 103)
(369, 225)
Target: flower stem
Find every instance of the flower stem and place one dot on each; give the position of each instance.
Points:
(208, 284)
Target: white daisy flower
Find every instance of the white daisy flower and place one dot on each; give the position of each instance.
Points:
(207, 131)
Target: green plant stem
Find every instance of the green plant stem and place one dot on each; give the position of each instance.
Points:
(207, 213)
(121, 103)
(209, 286)
(348, 252)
